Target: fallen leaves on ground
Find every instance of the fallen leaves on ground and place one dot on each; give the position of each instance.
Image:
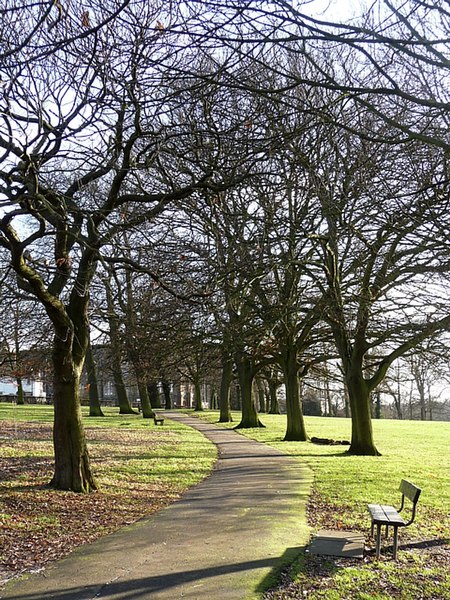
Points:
(39, 525)
(422, 571)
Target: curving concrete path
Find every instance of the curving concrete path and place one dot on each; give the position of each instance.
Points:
(223, 540)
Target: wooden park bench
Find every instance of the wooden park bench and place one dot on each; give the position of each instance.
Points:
(390, 517)
(158, 420)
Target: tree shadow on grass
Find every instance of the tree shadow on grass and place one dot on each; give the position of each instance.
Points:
(425, 544)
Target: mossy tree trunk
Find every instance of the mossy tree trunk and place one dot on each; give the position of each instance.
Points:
(72, 464)
(125, 407)
(167, 396)
(246, 375)
(71, 334)
(359, 392)
(295, 427)
(225, 388)
(95, 410)
(141, 379)
(362, 442)
(123, 401)
(146, 406)
(352, 346)
(358, 388)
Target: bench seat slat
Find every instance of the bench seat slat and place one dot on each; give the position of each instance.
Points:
(385, 515)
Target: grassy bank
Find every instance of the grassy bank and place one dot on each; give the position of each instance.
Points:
(139, 467)
(419, 451)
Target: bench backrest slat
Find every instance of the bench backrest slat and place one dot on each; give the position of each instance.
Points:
(410, 491)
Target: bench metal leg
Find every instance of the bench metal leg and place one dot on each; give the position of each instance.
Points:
(395, 542)
(378, 541)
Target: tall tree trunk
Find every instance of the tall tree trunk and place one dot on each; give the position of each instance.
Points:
(410, 402)
(245, 375)
(346, 402)
(398, 399)
(225, 389)
(166, 391)
(187, 396)
(358, 389)
(274, 408)
(20, 395)
(430, 404)
(197, 396)
(132, 344)
(328, 403)
(72, 464)
(95, 410)
(359, 398)
(377, 405)
(422, 399)
(261, 395)
(146, 406)
(295, 428)
(125, 407)
(153, 393)
(213, 404)
(71, 336)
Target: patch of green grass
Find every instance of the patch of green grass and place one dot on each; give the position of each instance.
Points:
(344, 484)
(176, 452)
(407, 579)
(41, 413)
(139, 467)
(418, 451)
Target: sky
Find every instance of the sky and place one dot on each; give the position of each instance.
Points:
(332, 9)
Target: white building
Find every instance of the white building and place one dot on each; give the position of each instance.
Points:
(31, 387)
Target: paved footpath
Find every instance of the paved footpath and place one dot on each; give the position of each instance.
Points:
(221, 541)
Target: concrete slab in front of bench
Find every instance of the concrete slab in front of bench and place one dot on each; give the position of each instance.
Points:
(349, 544)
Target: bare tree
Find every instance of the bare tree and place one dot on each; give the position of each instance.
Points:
(35, 30)
(89, 133)
(390, 60)
(382, 263)
(116, 349)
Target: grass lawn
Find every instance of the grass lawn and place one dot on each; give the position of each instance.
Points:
(418, 451)
(139, 467)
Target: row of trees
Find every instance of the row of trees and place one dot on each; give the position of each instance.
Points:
(286, 176)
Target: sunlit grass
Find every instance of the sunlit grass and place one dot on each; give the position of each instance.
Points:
(131, 457)
(175, 453)
(343, 485)
(139, 467)
(418, 451)
(27, 412)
